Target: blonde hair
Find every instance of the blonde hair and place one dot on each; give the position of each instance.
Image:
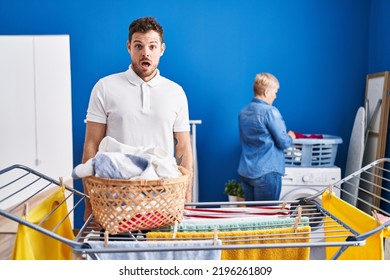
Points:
(264, 81)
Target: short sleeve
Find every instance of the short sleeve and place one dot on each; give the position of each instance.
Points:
(96, 108)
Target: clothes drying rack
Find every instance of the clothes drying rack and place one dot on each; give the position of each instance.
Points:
(18, 179)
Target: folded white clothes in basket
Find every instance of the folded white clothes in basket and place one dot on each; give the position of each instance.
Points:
(173, 254)
(119, 161)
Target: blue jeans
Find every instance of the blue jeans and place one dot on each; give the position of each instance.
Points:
(267, 187)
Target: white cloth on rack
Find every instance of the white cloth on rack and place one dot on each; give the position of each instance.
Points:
(119, 161)
(158, 254)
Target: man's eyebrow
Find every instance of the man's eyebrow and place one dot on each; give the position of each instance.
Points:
(151, 42)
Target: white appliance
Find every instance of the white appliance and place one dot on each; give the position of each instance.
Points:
(302, 182)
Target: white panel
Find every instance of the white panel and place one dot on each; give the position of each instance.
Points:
(35, 106)
(53, 92)
(17, 114)
(195, 186)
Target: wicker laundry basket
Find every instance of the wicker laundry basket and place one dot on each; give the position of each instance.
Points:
(132, 205)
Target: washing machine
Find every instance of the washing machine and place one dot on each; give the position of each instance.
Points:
(301, 182)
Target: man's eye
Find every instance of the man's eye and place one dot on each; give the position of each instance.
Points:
(138, 47)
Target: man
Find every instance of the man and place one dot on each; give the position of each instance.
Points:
(139, 107)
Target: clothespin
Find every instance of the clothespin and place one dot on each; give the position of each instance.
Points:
(330, 187)
(284, 204)
(298, 219)
(374, 213)
(174, 230)
(106, 239)
(215, 235)
(25, 211)
(62, 186)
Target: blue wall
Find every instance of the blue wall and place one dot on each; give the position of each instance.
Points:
(321, 51)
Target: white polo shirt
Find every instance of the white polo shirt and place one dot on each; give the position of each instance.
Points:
(137, 113)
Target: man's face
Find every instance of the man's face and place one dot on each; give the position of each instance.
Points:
(145, 51)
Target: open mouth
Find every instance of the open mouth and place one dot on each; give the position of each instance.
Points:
(145, 64)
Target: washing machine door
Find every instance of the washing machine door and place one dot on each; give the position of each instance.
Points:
(298, 193)
(315, 216)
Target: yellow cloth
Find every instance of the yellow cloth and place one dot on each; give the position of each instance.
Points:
(357, 220)
(260, 238)
(33, 245)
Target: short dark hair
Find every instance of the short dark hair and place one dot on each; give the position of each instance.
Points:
(144, 25)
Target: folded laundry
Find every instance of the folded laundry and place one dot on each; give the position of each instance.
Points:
(266, 236)
(254, 211)
(118, 161)
(164, 164)
(239, 224)
(116, 166)
(159, 253)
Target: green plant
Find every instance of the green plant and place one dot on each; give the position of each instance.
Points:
(234, 188)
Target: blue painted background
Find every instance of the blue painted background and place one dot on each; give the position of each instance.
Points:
(321, 51)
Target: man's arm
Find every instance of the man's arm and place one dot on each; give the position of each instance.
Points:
(183, 154)
(94, 134)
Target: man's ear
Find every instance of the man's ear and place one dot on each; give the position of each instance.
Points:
(128, 46)
(163, 47)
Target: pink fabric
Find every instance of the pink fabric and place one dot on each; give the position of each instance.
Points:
(149, 220)
(310, 136)
(217, 213)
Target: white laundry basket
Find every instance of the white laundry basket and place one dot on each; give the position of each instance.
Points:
(308, 152)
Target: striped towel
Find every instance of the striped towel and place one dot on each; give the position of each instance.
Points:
(254, 211)
(237, 224)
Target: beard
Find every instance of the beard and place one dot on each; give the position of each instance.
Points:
(145, 73)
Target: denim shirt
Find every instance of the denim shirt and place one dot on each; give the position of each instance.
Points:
(263, 139)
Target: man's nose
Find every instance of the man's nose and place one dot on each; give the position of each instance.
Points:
(146, 52)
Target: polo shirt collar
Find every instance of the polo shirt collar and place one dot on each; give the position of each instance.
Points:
(136, 80)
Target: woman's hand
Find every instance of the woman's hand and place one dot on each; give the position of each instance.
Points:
(292, 134)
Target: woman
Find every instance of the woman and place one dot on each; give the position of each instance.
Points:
(263, 139)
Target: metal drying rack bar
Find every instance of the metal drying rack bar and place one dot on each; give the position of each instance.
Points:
(17, 180)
